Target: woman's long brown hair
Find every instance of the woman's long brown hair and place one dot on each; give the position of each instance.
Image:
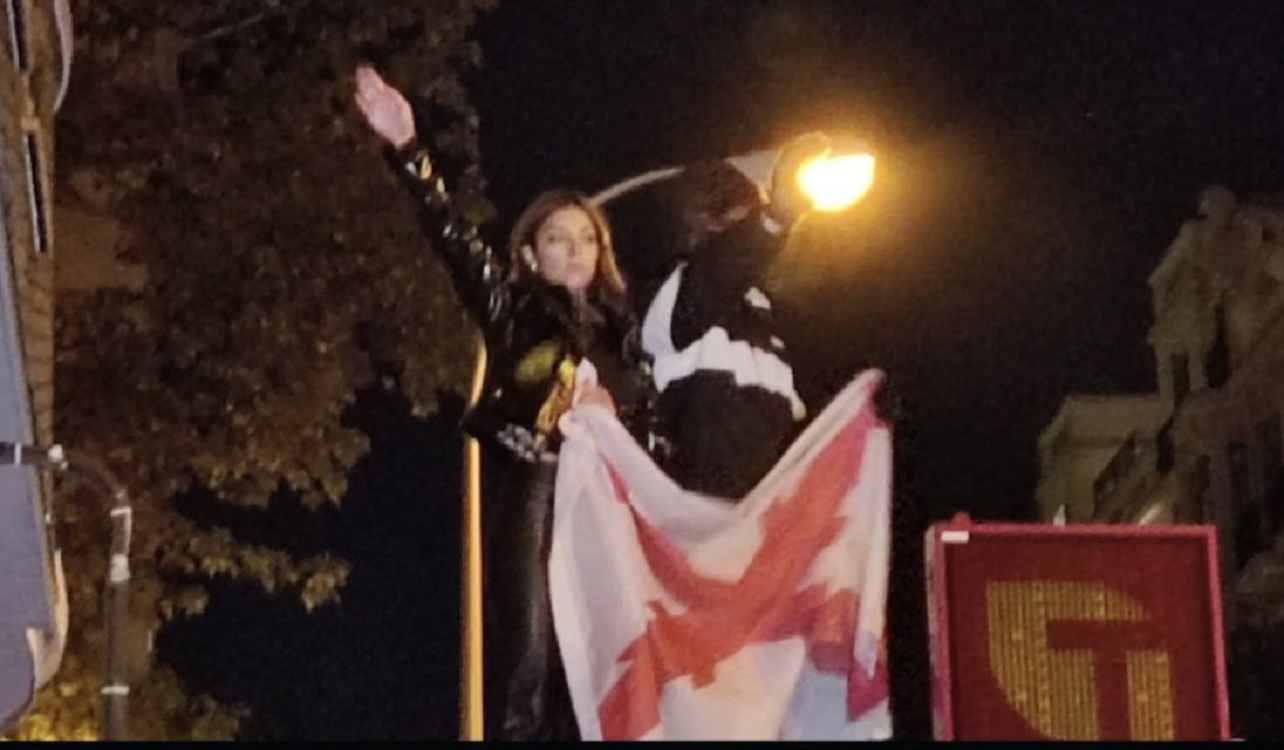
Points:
(608, 289)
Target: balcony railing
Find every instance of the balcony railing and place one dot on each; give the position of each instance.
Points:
(1138, 465)
(1118, 468)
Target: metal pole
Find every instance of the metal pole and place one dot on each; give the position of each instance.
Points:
(633, 183)
(115, 693)
(471, 726)
(115, 690)
(756, 165)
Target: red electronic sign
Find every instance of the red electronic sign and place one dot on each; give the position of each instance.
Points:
(1042, 632)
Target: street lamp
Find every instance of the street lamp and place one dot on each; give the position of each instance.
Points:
(834, 183)
(115, 691)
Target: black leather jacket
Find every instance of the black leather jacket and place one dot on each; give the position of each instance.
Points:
(533, 341)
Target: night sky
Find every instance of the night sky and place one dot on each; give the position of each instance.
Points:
(1036, 158)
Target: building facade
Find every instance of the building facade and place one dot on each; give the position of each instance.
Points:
(34, 65)
(1208, 446)
(1085, 437)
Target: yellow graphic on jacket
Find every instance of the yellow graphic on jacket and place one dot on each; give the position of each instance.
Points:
(537, 366)
(544, 363)
(559, 398)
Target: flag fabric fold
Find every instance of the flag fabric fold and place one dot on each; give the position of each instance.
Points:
(681, 616)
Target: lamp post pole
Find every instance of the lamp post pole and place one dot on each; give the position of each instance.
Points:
(756, 165)
(471, 718)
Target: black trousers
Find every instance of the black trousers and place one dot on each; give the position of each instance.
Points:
(525, 691)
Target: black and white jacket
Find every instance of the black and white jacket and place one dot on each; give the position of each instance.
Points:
(726, 389)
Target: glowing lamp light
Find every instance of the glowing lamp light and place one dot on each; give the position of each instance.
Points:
(834, 183)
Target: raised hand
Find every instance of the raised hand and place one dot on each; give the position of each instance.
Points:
(385, 109)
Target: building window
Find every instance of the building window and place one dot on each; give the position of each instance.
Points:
(1165, 450)
(1180, 364)
(1247, 515)
(18, 34)
(1217, 362)
(1241, 483)
(36, 191)
(1270, 440)
(1201, 503)
(1248, 536)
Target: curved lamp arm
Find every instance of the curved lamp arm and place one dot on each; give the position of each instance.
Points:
(841, 179)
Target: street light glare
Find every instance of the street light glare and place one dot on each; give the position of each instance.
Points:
(834, 183)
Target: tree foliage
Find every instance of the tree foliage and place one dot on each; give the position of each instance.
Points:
(284, 272)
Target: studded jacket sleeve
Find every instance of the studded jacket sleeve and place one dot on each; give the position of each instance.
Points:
(479, 273)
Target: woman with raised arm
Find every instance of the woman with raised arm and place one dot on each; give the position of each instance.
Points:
(555, 299)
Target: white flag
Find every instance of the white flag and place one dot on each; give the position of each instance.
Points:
(681, 616)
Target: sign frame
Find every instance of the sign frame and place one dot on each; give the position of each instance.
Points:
(962, 530)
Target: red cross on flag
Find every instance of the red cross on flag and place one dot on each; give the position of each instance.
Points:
(681, 616)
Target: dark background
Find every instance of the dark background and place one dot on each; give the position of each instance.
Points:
(1036, 158)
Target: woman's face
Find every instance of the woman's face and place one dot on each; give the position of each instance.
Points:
(566, 249)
